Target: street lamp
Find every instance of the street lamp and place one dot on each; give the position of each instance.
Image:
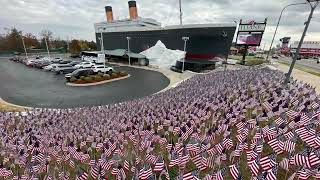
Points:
(24, 45)
(45, 40)
(129, 38)
(185, 39)
(313, 5)
(275, 32)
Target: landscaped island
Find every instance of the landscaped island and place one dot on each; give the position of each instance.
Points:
(98, 78)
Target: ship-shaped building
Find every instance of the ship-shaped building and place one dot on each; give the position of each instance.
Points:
(206, 42)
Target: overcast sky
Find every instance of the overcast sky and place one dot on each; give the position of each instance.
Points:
(75, 18)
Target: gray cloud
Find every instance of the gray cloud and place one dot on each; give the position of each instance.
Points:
(68, 18)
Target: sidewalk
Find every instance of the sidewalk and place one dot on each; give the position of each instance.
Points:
(311, 79)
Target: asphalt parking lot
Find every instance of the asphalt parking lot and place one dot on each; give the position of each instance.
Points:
(36, 88)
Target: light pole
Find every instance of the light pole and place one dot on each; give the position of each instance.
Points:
(24, 45)
(129, 38)
(102, 49)
(45, 40)
(185, 39)
(275, 32)
(313, 5)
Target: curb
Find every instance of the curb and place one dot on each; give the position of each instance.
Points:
(14, 105)
(97, 83)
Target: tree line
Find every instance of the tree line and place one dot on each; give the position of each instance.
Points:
(11, 41)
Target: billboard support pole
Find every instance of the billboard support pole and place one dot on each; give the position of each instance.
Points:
(243, 62)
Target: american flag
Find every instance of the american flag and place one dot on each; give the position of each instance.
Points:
(145, 173)
(159, 165)
(254, 166)
(200, 162)
(190, 176)
(5, 173)
(82, 176)
(272, 173)
(268, 162)
(234, 171)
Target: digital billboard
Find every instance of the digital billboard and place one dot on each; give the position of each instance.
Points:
(249, 39)
(250, 34)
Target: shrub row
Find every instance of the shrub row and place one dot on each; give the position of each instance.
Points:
(97, 78)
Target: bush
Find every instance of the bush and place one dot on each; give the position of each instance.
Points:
(123, 73)
(98, 78)
(100, 74)
(82, 77)
(93, 77)
(106, 77)
(73, 79)
(88, 79)
(114, 75)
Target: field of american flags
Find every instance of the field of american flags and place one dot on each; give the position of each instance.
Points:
(238, 124)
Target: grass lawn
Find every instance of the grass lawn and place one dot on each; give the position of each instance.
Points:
(302, 68)
(250, 60)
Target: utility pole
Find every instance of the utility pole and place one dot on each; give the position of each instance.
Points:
(180, 12)
(313, 7)
(45, 39)
(24, 46)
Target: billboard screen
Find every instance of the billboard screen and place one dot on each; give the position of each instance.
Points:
(249, 39)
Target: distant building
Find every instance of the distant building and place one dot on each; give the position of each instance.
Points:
(308, 49)
(284, 49)
(234, 51)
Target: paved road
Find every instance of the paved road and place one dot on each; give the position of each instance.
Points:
(32, 87)
(310, 63)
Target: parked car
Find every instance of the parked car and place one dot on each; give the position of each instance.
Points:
(73, 63)
(41, 64)
(53, 66)
(78, 73)
(65, 69)
(275, 57)
(30, 63)
(102, 69)
(318, 60)
(64, 62)
(57, 67)
(49, 67)
(85, 65)
(57, 60)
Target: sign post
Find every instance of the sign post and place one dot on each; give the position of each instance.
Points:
(250, 34)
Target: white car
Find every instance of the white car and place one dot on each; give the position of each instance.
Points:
(102, 69)
(49, 67)
(85, 65)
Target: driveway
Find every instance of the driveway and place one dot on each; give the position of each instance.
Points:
(36, 88)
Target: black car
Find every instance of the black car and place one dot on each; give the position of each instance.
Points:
(66, 70)
(72, 63)
(64, 62)
(78, 73)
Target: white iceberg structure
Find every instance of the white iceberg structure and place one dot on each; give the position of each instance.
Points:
(162, 57)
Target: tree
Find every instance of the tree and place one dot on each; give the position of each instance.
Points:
(92, 45)
(74, 47)
(84, 45)
(14, 41)
(46, 35)
(31, 41)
